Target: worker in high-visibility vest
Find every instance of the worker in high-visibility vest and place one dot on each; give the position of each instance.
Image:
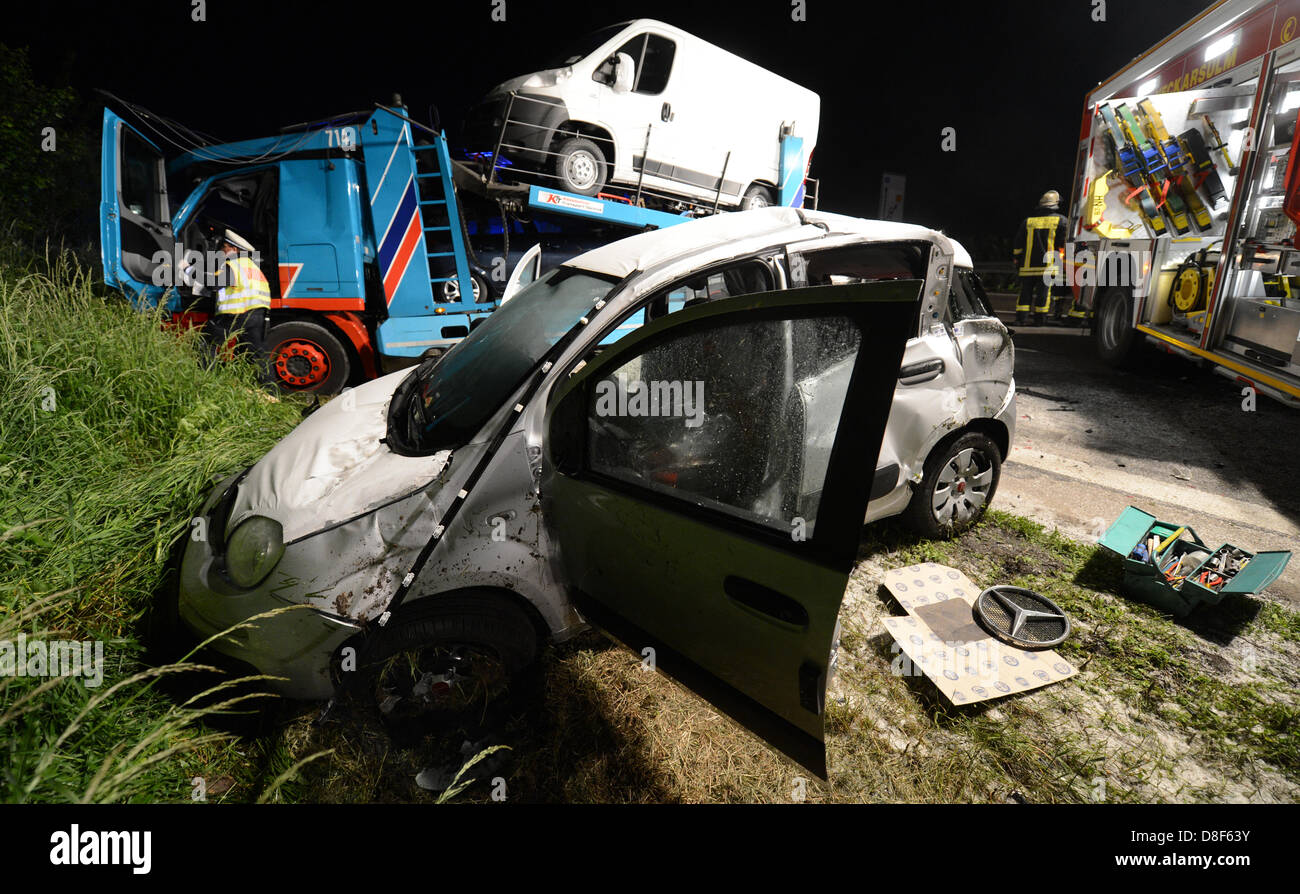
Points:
(1037, 256)
(242, 302)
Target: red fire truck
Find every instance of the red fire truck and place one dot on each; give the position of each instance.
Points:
(1186, 196)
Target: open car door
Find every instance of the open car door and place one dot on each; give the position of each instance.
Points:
(706, 479)
(134, 213)
(527, 270)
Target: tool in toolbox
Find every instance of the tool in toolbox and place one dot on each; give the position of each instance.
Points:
(1177, 162)
(1131, 171)
(1170, 567)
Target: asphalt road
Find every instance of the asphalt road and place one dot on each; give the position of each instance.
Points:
(1172, 439)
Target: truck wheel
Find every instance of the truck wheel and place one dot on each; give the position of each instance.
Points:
(581, 166)
(957, 487)
(456, 655)
(306, 356)
(1117, 341)
(757, 196)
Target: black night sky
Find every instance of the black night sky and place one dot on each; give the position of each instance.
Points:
(1009, 76)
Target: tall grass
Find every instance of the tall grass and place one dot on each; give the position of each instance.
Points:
(111, 431)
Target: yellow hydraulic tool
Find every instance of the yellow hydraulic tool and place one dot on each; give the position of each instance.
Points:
(1177, 161)
(1093, 215)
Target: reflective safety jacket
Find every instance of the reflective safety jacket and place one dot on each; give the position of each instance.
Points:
(1041, 237)
(246, 288)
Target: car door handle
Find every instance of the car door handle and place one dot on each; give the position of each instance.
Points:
(666, 112)
(765, 601)
(921, 371)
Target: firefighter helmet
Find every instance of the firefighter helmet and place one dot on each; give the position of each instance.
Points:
(1050, 199)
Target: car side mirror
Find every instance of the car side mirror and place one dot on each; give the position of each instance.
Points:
(624, 73)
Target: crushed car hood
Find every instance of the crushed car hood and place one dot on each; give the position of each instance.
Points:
(333, 468)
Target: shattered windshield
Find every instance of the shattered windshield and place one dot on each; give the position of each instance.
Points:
(444, 404)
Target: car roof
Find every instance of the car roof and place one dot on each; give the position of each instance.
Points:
(710, 237)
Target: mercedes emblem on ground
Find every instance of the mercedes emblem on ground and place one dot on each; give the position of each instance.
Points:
(1021, 617)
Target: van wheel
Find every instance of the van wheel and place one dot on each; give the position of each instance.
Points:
(457, 655)
(757, 196)
(1117, 341)
(581, 166)
(306, 356)
(957, 487)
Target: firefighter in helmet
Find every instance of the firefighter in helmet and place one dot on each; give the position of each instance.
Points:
(242, 302)
(1037, 257)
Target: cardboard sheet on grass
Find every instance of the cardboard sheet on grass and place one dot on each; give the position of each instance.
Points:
(940, 636)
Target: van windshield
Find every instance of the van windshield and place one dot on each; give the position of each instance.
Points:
(445, 402)
(579, 48)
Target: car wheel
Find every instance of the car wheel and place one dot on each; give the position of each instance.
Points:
(1117, 341)
(957, 487)
(581, 167)
(306, 356)
(757, 196)
(454, 656)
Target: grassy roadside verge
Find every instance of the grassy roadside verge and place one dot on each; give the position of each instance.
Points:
(111, 431)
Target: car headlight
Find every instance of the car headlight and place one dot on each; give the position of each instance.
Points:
(254, 550)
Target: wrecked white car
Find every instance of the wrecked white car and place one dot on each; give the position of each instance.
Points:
(697, 487)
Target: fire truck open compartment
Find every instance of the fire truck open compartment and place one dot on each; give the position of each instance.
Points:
(1221, 287)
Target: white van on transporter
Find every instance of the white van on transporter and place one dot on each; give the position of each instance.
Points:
(644, 104)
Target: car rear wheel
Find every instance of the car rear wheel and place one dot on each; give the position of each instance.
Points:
(957, 487)
(306, 356)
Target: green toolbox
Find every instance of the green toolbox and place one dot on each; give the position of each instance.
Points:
(1185, 572)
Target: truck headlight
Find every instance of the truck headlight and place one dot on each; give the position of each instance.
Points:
(254, 550)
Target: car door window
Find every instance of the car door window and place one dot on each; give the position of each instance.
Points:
(744, 278)
(966, 298)
(868, 262)
(739, 418)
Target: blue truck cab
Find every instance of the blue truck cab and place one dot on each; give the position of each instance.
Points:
(356, 228)
(357, 224)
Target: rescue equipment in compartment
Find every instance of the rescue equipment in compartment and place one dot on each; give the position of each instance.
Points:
(1153, 165)
(1177, 163)
(1203, 164)
(1192, 283)
(1096, 207)
(1130, 169)
(1221, 146)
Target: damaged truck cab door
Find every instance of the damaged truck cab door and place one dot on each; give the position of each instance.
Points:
(134, 212)
(708, 511)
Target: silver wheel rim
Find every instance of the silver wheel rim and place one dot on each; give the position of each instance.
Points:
(758, 200)
(451, 289)
(962, 488)
(580, 169)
